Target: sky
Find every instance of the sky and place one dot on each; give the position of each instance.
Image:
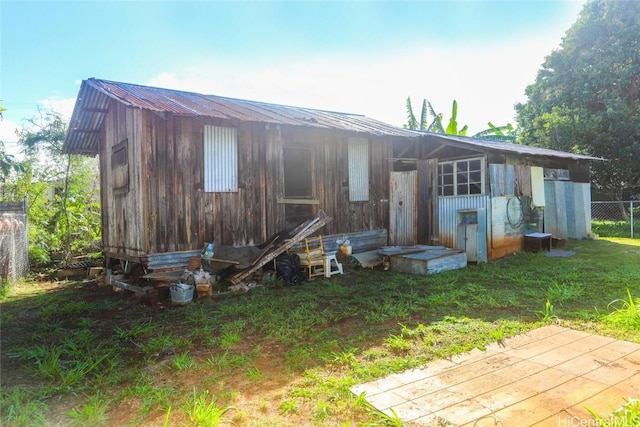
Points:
(362, 57)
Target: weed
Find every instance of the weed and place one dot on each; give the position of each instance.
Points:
(152, 396)
(626, 313)
(288, 407)
(168, 343)
(226, 361)
(344, 358)
(397, 344)
(255, 374)
(93, 412)
(627, 415)
(547, 315)
(184, 361)
(564, 291)
(4, 288)
(203, 411)
(21, 408)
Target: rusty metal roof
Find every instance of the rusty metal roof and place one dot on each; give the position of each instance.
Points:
(94, 95)
(485, 145)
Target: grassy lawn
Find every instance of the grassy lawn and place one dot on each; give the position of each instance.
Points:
(77, 353)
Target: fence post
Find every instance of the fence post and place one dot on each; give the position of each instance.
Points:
(632, 213)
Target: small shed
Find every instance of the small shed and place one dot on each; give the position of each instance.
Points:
(483, 196)
(178, 169)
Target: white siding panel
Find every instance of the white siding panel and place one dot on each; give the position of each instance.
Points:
(220, 159)
(358, 169)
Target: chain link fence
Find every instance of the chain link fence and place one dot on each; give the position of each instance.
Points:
(616, 219)
(14, 243)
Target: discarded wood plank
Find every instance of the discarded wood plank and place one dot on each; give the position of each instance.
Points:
(128, 286)
(303, 231)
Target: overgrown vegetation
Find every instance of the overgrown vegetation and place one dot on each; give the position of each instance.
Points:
(585, 96)
(61, 192)
(616, 228)
(79, 354)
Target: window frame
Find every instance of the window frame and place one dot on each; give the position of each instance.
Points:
(460, 172)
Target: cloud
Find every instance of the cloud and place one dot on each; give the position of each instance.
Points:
(64, 106)
(486, 81)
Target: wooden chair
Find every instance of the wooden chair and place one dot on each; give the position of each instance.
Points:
(315, 261)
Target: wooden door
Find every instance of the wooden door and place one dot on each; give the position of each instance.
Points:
(403, 214)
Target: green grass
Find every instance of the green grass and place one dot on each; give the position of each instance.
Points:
(288, 355)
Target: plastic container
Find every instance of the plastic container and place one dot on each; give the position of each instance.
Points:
(181, 293)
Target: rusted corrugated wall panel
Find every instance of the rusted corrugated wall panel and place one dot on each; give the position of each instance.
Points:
(448, 208)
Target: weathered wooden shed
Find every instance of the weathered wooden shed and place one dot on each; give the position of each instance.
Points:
(178, 169)
(484, 196)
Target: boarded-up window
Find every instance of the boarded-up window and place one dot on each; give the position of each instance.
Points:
(120, 167)
(358, 170)
(461, 177)
(220, 159)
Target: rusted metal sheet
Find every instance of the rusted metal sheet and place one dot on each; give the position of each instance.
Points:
(510, 180)
(403, 215)
(508, 222)
(567, 213)
(93, 99)
(448, 208)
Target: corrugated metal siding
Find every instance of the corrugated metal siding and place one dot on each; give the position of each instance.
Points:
(448, 212)
(403, 215)
(567, 213)
(220, 159)
(358, 170)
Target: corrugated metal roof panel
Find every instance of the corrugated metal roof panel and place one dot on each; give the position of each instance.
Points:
(507, 147)
(94, 95)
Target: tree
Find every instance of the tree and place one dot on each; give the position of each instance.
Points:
(499, 133)
(64, 214)
(586, 97)
(8, 163)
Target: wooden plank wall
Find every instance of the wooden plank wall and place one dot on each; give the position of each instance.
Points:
(122, 220)
(167, 210)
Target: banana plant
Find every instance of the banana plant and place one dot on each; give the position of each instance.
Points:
(504, 133)
(423, 124)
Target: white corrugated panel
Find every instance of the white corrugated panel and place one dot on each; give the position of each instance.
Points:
(358, 169)
(220, 159)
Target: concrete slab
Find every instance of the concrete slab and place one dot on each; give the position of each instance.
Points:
(547, 377)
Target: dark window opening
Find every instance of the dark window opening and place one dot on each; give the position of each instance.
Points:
(298, 173)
